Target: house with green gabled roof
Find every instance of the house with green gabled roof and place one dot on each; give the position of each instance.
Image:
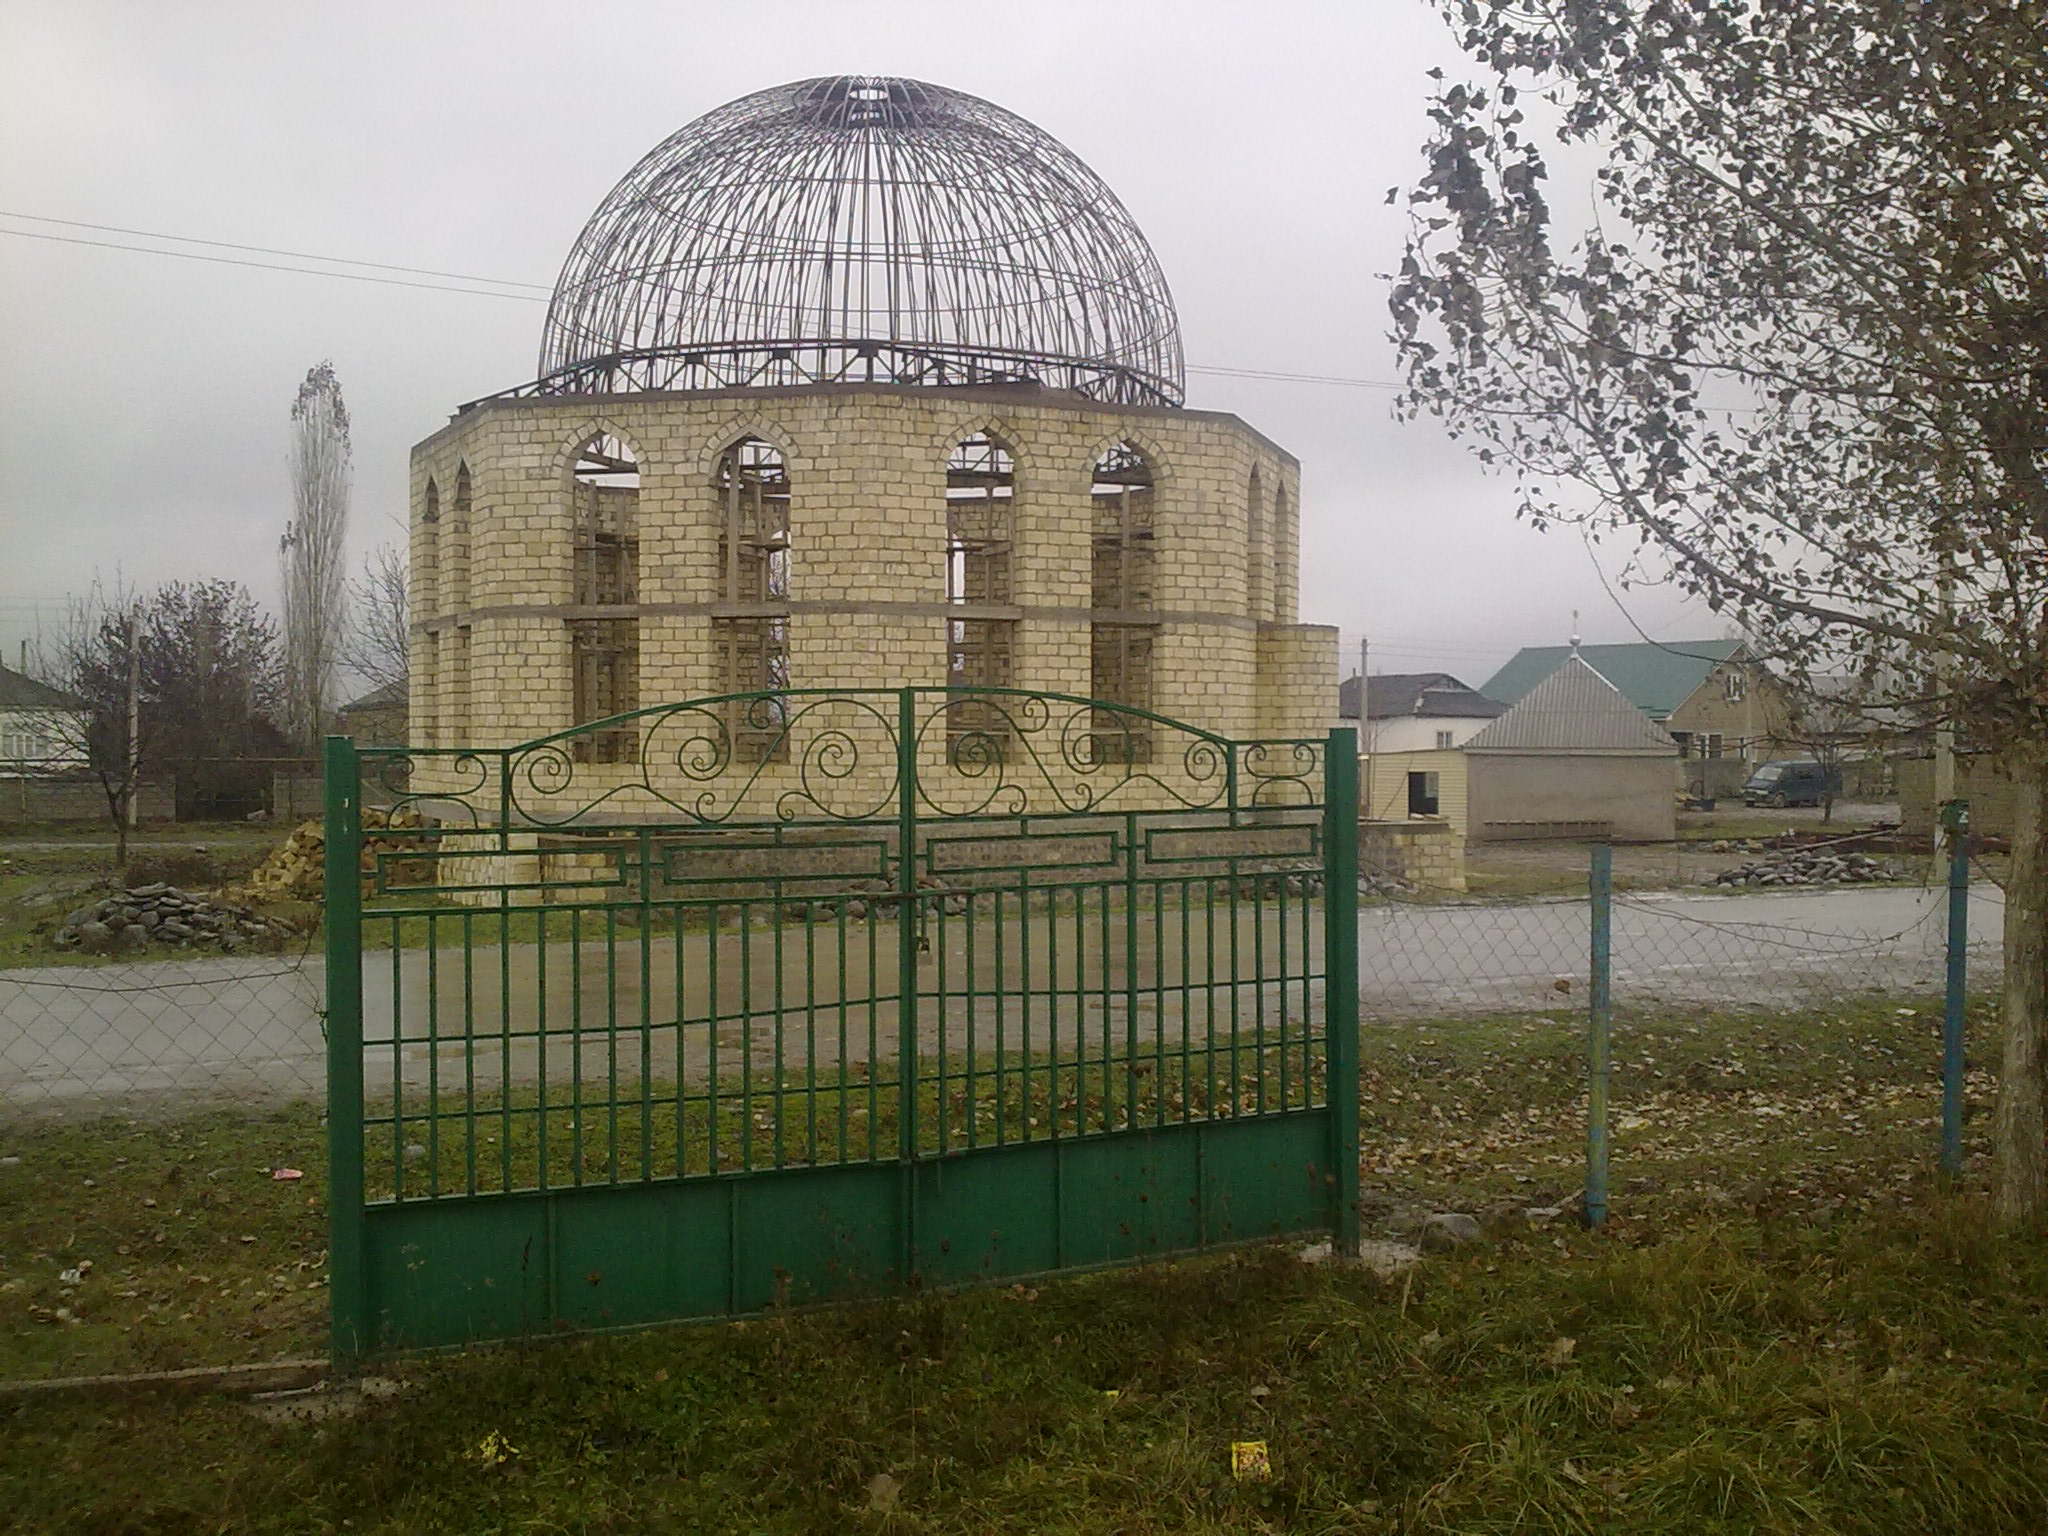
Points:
(1713, 696)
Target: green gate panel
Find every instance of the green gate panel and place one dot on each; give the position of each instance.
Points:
(736, 1030)
(448, 1272)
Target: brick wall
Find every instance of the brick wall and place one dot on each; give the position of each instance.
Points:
(32, 800)
(867, 472)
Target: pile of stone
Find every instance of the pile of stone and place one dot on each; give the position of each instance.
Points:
(162, 916)
(298, 869)
(1377, 882)
(1809, 866)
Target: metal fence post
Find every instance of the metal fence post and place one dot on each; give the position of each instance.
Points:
(1600, 883)
(346, 1295)
(906, 972)
(1340, 966)
(1955, 822)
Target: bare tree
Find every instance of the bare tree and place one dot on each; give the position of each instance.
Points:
(95, 656)
(1798, 351)
(312, 553)
(181, 684)
(376, 644)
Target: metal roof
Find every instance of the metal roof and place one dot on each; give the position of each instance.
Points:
(1654, 678)
(19, 691)
(1575, 711)
(1423, 695)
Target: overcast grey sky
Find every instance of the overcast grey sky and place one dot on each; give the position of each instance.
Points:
(144, 399)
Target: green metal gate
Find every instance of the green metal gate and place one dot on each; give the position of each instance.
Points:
(779, 998)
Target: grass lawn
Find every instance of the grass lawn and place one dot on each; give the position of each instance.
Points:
(1787, 1327)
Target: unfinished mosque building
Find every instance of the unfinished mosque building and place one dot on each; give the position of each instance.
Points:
(855, 383)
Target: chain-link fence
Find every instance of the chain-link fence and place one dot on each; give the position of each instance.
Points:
(162, 1152)
(1772, 1041)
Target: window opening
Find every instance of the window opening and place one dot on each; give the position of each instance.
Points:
(1284, 574)
(981, 489)
(457, 714)
(1443, 741)
(1255, 550)
(751, 635)
(1736, 685)
(427, 605)
(1122, 631)
(605, 584)
(1422, 794)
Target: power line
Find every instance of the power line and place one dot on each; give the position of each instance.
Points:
(269, 250)
(1292, 378)
(267, 266)
(533, 293)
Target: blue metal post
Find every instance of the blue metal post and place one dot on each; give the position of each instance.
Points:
(1955, 822)
(1340, 986)
(1600, 884)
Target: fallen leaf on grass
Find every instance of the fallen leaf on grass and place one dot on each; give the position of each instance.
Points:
(1249, 1462)
(1560, 1351)
(883, 1491)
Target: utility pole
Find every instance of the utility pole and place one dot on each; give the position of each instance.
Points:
(134, 710)
(1365, 742)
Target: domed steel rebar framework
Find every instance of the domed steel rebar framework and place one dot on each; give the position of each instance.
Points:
(856, 229)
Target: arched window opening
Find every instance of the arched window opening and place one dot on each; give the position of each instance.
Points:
(750, 627)
(604, 627)
(456, 712)
(981, 488)
(1122, 591)
(1285, 577)
(423, 721)
(1255, 551)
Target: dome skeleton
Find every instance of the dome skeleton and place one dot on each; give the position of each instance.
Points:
(853, 229)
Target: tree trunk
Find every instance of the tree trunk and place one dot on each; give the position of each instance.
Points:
(2022, 1179)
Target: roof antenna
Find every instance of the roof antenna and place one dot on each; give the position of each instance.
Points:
(1575, 632)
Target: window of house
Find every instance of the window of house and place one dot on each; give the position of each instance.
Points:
(604, 627)
(1121, 628)
(1713, 741)
(1684, 740)
(750, 627)
(1735, 683)
(981, 488)
(1422, 794)
(1443, 741)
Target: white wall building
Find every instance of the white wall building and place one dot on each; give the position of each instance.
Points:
(1414, 711)
(42, 730)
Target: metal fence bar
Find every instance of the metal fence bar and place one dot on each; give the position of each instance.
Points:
(1600, 885)
(349, 1333)
(1955, 821)
(1340, 975)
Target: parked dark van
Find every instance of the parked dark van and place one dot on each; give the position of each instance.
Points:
(1790, 782)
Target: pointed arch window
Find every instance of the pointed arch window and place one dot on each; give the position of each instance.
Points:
(456, 713)
(604, 627)
(424, 720)
(750, 628)
(1255, 550)
(981, 489)
(1285, 576)
(1123, 626)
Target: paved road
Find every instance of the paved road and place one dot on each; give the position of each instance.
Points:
(249, 1029)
